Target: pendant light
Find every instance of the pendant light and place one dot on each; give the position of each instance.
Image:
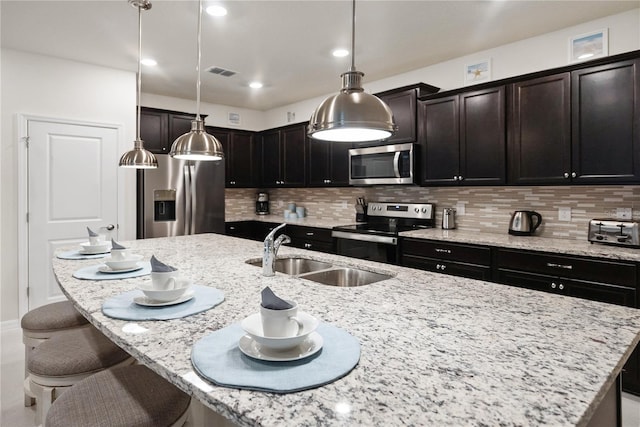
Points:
(197, 144)
(352, 115)
(139, 158)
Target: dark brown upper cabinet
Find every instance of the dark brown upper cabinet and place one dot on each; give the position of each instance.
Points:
(462, 138)
(404, 105)
(283, 156)
(328, 163)
(606, 123)
(239, 156)
(159, 128)
(539, 144)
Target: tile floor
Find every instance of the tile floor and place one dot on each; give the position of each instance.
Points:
(15, 414)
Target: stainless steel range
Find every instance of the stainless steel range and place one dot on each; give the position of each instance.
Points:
(377, 238)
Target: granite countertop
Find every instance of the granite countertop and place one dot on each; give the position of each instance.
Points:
(505, 240)
(436, 349)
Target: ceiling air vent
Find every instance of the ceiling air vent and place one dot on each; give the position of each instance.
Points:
(221, 71)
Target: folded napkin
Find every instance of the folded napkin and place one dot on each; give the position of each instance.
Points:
(160, 267)
(273, 302)
(116, 245)
(92, 233)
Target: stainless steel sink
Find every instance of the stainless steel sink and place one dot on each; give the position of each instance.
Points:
(294, 266)
(345, 277)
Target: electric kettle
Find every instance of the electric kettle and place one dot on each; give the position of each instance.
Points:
(522, 223)
(448, 219)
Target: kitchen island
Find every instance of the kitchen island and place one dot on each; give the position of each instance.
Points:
(435, 350)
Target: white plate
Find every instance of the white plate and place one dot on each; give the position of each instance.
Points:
(107, 269)
(123, 264)
(88, 248)
(307, 348)
(147, 302)
(252, 325)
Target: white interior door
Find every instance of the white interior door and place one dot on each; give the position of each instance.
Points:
(72, 184)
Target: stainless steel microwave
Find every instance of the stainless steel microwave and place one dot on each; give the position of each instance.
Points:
(386, 164)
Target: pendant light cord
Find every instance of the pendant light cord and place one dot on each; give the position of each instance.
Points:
(353, 37)
(199, 56)
(139, 77)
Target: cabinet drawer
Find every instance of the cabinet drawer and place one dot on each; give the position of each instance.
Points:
(447, 267)
(313, 245)
(614, 272)
(447, 251)
(602, 292)
(309, 233)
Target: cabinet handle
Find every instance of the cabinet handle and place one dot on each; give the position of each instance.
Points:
(565, 266)
(460, 178)
(310, 233)
(553, 285)
(232, 228)
(561, 286)
(573, 174)
(307, 245)
(455, 177)
(446, 251)
(566, 174)
(440, 267)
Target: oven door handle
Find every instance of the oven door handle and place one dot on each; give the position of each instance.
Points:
(396, 164)
(365, 237)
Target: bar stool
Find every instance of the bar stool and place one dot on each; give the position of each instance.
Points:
(65, 359)
(129, 396)
(40, 324)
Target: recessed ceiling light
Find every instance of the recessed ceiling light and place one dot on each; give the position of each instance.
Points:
(148, 61)
(255, 85)
(339, 53)
(216, 10)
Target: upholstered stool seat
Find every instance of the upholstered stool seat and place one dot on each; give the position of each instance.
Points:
(129, 396)
(63, 360)
(42, 323)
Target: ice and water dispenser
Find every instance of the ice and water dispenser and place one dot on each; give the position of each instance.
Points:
(164, 205)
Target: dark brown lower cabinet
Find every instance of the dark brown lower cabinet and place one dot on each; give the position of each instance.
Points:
(312, 238)
(613, 282)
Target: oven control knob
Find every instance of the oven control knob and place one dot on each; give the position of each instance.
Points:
(417, 210)
(424, 210)
(599, 237)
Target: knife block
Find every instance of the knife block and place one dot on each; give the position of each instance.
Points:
(361, 217)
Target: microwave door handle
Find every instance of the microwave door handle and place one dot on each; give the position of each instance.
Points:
(396, 164)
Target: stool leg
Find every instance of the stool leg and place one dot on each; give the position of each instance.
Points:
(29, 399)
(44, 404)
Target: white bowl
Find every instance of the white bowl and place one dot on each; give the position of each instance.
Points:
(103, 247)
(165, 295)
(252, 325)
(129, 262)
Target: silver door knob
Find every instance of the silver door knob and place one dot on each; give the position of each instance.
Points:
(110, 227)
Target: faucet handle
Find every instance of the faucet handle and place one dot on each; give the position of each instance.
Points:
(273, 232)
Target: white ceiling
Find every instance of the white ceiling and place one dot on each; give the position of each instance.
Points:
(285, 44)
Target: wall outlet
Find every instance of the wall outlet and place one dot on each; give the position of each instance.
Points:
(460, 208)
(564, 214)
(623, 213)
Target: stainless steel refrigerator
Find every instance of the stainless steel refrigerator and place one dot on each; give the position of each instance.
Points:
(180, 197)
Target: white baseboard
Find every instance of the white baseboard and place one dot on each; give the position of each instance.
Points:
(9, 325)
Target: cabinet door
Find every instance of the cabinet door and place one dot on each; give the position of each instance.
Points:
(606, 123)
(179, 124)
(293, 143)
(540, 131)
(440, 141)
(403, 105)
(222, 135)
(482, 137)
(270, 155)
(319, 160)
(340, 163)
(459, 269)
(154, 131)
(243, 162)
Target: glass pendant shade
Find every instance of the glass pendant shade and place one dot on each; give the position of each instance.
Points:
(138, 158)
(197, 144)
(352, 115)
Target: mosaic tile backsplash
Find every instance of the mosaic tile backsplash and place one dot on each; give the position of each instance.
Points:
(482, 209)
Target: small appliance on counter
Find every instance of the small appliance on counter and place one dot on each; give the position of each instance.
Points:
(448, 218)
(262, 203)
(614, 232)
(522, 223)
(361, 210)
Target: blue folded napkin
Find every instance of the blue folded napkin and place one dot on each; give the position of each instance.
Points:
(116, 245)
(272, 301)
(92, 233)
(160, 267)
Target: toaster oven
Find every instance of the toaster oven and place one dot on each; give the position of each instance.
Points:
(614, 231)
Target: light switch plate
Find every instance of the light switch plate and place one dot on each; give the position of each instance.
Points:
(623, 213)
(564, 214)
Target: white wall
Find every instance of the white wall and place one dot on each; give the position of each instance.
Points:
(217, 115)
(535, 54)
(46, 86)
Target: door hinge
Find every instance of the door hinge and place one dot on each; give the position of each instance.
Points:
(26, 141)
(28, 291)
(27, 216)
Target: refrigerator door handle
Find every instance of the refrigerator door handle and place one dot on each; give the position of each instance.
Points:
(192, 182)
(187, 199)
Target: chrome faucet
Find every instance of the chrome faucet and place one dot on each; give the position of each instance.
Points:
(271, 247)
